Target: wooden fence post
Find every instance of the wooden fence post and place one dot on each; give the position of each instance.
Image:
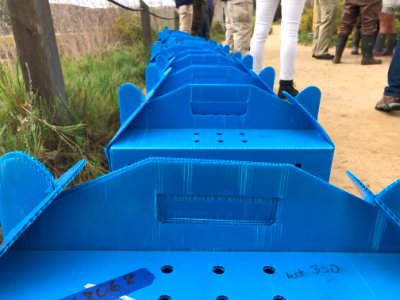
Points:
(146, 24)
(35, 39)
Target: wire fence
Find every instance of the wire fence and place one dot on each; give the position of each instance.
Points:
(89, 26)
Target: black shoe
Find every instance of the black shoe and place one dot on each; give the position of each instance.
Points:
(286, 86)
(325, 56)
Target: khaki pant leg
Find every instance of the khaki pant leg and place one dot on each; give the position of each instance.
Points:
(241, 16)
(317, 23)
(228, 27)
(326, 26)
(185, 17)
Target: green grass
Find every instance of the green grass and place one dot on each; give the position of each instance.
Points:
(92, 116)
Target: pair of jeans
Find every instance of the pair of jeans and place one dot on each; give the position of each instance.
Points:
(291, 15)
(394, 73)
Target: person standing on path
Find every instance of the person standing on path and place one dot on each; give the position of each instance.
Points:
(391, 95)
(185, 11)
(239, 14)
(325, 23)
(291, 15)
(369, 13)
(387, 28)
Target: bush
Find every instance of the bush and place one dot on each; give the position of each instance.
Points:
(129, 28)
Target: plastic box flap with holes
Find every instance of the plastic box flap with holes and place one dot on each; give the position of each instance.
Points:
(168, 228)
(221, 121)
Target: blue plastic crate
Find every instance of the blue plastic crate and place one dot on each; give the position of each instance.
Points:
(217, 121)
(198, 229)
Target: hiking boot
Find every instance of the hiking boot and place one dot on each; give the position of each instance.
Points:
(368, 42)
(288, 87)
(379, 43)
(340, 45)
(388, 103)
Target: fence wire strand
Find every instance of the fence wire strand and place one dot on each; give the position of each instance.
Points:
(140, 9)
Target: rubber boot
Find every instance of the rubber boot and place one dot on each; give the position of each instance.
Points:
(286, 86)
(368, 42)
(379, 43)
(356, 42)
(340, 45)
(391, 43)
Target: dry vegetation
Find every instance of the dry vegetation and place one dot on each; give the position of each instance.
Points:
(81, 30)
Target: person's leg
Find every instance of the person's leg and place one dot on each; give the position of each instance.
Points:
(185, 17)
(264, 16)
(317, 23)
(291, 16)
(349, 18)
(369, 19)
(394, 74)
(391, 95)
(391, 37)
(199, 9)
(228, 27)
(384, 20)
(242, 12)
(326, 29)
(356, 37)
(205, 28)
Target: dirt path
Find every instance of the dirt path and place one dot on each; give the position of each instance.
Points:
(367, 141)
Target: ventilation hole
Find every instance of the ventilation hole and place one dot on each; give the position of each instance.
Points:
(220, 141)
(218, 270)
(242, 133)
(222, 297)
(219, 133)
(269, 270)
(166, 297)
(298, 165)
(278, 297)
(167, 269)
(196, 141)
(196, 133)
(244, 141)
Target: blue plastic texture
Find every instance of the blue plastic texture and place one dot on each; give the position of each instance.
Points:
(26, 189)
(207, 104)
(388, 200)
(206, 229)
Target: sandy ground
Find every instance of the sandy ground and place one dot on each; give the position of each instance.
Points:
(367, 141)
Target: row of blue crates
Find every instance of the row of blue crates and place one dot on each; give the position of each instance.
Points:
(237, 205)
(203, 103)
